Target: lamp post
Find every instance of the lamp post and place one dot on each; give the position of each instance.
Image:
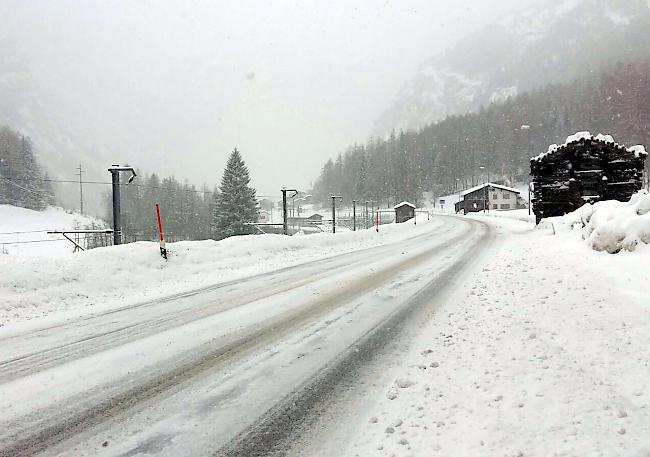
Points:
(334, 197)
(285, 228)
(486, 200)
(115, 171)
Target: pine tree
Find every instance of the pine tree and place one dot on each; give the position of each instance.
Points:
(235, 204)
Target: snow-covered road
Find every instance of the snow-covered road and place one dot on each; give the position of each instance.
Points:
(207, 371)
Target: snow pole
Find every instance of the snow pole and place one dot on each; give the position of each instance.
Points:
(163, 250)
(377, 220)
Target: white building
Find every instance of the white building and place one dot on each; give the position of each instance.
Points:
(489, 196)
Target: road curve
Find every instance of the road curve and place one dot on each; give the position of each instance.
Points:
(189, 375)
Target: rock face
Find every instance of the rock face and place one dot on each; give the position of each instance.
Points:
(518, 53)
(586, 169)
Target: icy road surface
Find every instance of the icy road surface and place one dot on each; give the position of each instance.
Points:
(234, 369)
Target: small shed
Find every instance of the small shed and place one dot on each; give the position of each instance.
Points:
(585, 169)
(315, 219)
(488, 196)
(404, 211)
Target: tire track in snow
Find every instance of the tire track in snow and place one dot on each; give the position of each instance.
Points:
(272, 283)
(43, 433)
(275, 433)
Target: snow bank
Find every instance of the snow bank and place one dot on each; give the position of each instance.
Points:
(122, 275)
(24, 231)
(611, 226)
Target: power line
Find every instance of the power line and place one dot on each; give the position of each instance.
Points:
(143, 186)
(31, 241)
(21, 232)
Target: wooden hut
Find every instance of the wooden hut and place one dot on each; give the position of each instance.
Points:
(404, 211)
(585, 169)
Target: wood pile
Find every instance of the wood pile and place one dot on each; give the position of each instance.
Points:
(585, 170)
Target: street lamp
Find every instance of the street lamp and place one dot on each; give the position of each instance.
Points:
(115, 171)
(285, 228)
(486, 200)
(334, 197)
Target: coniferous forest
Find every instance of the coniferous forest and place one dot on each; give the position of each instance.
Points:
(499, 140)
(189, 213)
(22, 182)
(186, 210)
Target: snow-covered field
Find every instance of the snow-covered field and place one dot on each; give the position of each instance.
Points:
(103, 278)
(24, 231)
(544, 352)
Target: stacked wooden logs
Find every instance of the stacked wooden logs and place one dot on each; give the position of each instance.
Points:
(584, 171)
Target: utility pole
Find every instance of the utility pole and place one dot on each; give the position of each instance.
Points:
(285, 227)
(354, 215)
(334, 197)
(81, 192)
(117, 217)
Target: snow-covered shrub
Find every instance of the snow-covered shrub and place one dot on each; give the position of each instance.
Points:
(611, 226)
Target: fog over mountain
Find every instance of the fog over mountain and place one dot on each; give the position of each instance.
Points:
(174, 86)
(549, 42)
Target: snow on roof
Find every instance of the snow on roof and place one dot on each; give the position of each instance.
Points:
(404, 204)
(481, 186)
(638, 150)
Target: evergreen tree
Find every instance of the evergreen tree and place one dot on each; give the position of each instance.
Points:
(235, 205)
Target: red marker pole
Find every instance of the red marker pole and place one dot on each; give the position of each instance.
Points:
(377, 220)
(163, 250)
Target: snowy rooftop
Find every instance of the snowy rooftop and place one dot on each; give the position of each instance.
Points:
(638, 150)
(404, 204)
(496, 186)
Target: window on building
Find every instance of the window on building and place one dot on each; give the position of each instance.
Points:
(495, 206)
(505, 206)
(506, 196)
(495, 196)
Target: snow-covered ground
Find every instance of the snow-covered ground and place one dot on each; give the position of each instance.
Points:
(543, 348)
(24, 231)
(543, 352)
(610, 226)
(515, 214)
(103, 278)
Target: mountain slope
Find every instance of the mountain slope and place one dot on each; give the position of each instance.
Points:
(556, 41)
(22, 109)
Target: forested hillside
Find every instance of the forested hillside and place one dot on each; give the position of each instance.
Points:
(22, 182)
(501, 138)
(186, 210)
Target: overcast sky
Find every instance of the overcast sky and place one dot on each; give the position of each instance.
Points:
(173, 85)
